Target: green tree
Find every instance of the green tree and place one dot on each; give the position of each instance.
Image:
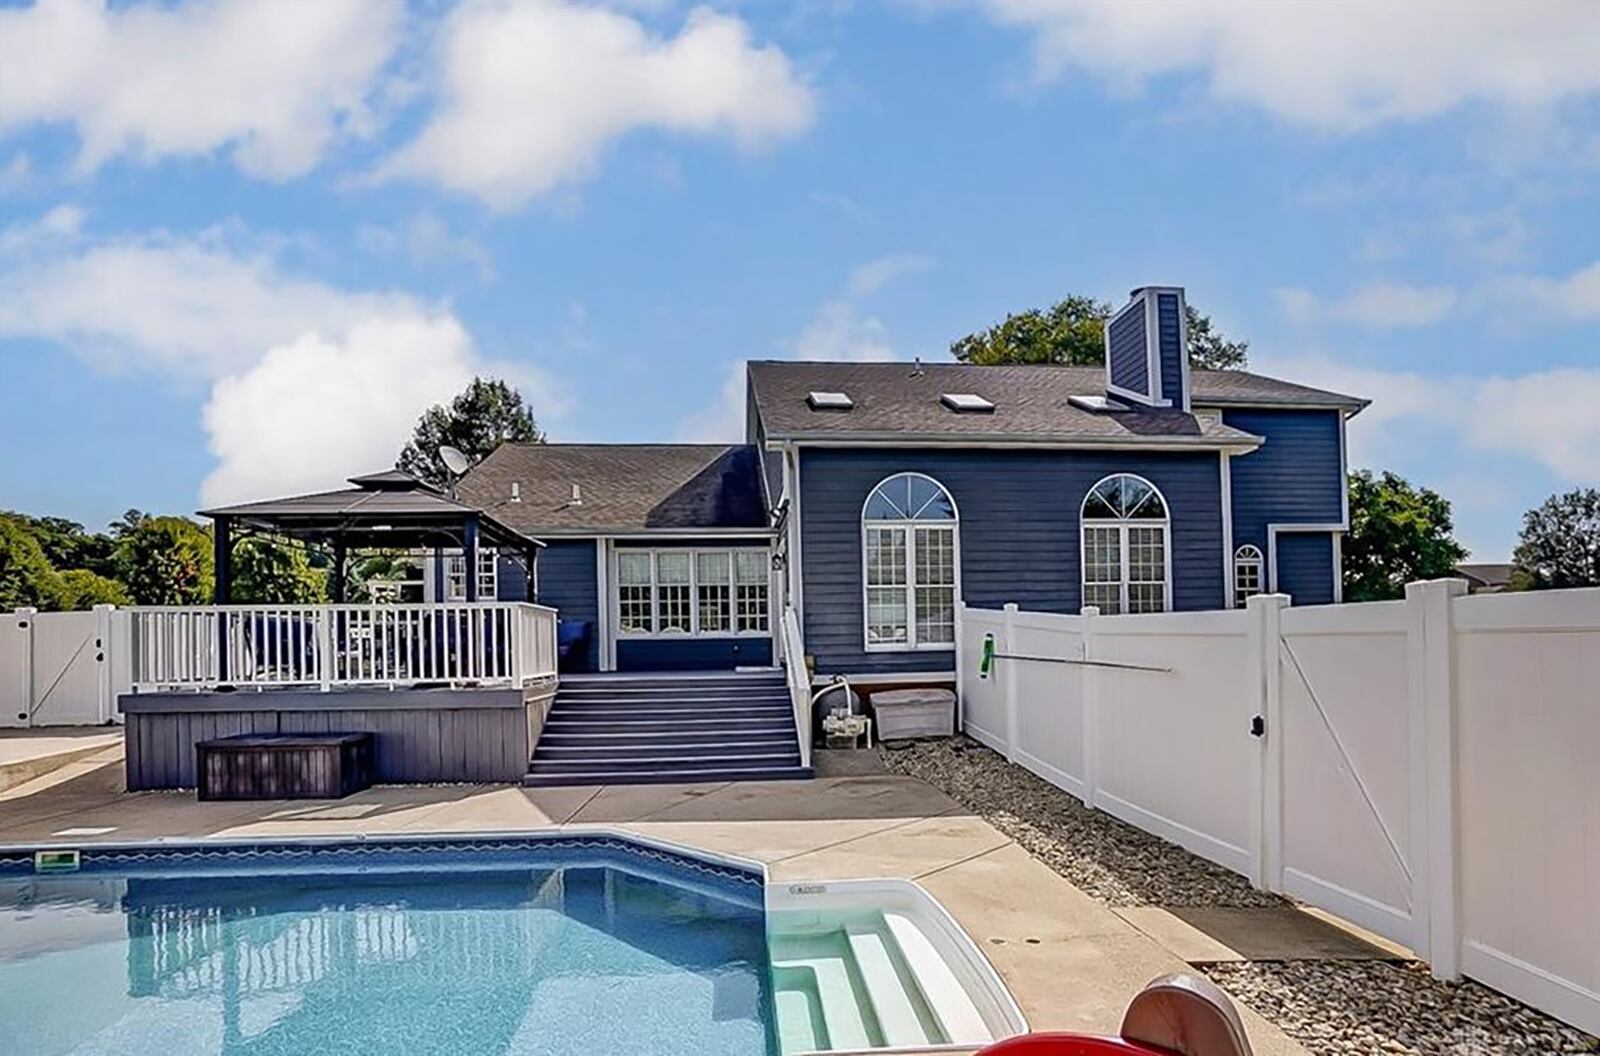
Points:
(163, 560)
(1071, 333)
(67, 544)
(1560, 543)
(26, 575)
(1398, 533)
(82, 589)
(485, 415)
(268, 571)
(386, 565)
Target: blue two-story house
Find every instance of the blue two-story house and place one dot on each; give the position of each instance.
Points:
(874, 497)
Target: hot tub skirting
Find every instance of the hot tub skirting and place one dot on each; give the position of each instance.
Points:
(420, 736)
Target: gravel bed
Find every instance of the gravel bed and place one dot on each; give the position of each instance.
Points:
(1341, 1007)
(1333, 1008)
(1110, 860)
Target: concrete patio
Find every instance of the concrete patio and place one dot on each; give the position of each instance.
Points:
(1071, 961)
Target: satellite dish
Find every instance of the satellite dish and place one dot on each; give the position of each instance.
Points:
(454, 460)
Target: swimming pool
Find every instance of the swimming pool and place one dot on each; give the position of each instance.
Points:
(462, 947)
(528, 945)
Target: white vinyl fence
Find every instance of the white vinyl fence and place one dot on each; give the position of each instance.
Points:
(1425, 768)
(68, 668)
(61, 668)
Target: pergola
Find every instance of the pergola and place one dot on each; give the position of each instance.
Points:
(388, 510)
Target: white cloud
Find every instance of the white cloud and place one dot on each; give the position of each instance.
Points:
(272, 84)
(532, 93)
(319, 409)
(1577, 296)
(1326, 64)
(840, 330)
(426, 242)
(309, 383)
(872, 276)
(1379, 305)
(60, 225)
(191, 306)
(1546, 417)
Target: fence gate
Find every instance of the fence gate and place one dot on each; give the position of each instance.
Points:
(56, 668)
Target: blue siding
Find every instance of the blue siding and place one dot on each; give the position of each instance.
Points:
(1305, 567)
(511, 582)
(692, 654)
(1296, 477)
(567, 582)
(1128, 356)
(1019, 534)
(1169, 328)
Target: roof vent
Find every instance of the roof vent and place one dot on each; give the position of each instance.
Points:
(577, 496)
(516, 491)
(916, 367)
(966, 403)
(1097, 404)
(829, 401)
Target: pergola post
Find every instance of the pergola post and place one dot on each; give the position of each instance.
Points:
(469, 552)
(222, 585)
(222, 560)
(339, 555)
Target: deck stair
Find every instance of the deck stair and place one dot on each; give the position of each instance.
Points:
(653, 728)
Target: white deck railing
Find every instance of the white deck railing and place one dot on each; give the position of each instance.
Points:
(201, 647)
(794, 665)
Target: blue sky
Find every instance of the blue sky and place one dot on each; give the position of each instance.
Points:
(243, 244)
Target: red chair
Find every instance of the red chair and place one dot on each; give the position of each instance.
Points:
(1175, 1015)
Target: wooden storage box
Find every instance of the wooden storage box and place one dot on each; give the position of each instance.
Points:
(284, 766)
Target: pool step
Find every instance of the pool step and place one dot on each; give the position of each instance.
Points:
(651, 729)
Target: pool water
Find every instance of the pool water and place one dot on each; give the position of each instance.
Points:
(521, 951)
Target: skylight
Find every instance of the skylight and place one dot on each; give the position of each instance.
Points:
(966, 403)
(1098, 404)
(829, 401)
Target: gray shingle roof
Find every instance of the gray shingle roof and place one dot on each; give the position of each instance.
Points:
(625, 487)
(1032, 403)
(387, 508)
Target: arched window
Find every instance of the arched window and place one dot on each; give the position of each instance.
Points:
(909, 564)
(1125, 551)
(1247, 566)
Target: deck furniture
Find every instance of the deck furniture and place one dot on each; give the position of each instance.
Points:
(284, 766)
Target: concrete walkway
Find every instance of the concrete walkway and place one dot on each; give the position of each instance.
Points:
(29, 753)
(1071, 962)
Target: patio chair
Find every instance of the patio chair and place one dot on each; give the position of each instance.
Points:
(1174, 1015)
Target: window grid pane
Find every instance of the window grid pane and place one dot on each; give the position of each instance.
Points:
(886, 615)
(672, 593)
(1246, 574)
(634, 596)
(935, 591)
(713, 592)
(752, 600)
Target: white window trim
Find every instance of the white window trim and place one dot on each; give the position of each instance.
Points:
(910, 645)
(614, 602)
(1123, 524)
(493, 579)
